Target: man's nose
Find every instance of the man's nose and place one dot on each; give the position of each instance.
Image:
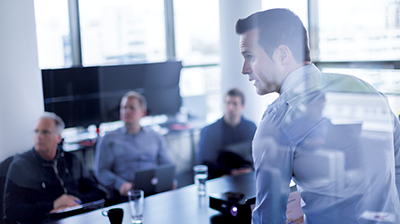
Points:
(246, 68)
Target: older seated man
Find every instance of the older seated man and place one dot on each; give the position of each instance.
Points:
(129, 149)
(46, 179)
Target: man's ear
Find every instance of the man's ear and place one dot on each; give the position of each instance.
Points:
(283, 54)
(59, 138)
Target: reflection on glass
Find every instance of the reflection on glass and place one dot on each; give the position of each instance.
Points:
(122, 31)
(385, 80)
(197, 31)
(365, 30)
(52, 30)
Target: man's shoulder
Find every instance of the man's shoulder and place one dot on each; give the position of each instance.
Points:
(25, 158)
(22, 165)
(346, 83)
(213, 130)
(149, 132)
(248, 122)
(110, 137)
(216, 125)
(114, 133)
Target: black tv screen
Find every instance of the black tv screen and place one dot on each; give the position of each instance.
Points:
(91, 95)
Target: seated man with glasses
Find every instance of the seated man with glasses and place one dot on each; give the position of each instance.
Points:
(131, 148)
(46, 179)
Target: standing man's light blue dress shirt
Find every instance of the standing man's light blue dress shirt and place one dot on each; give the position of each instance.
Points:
(338, 139)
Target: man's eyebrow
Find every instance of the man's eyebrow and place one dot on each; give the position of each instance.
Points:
(246, 52)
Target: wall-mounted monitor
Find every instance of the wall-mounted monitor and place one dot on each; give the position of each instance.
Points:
(91, 95)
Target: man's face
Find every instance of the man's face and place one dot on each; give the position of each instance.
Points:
(46, 137)
(264, 72)
(131, 111)
(233, 107)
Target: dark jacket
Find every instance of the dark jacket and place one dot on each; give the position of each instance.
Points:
(215, 141)
(33, 184)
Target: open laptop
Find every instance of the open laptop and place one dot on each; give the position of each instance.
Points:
(155, 180)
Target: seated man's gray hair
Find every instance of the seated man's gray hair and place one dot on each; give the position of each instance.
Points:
(60, 125)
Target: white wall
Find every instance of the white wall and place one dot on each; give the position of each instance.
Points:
(231, 59)
(21, 100)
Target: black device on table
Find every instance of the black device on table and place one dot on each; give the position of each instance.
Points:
(233, 205)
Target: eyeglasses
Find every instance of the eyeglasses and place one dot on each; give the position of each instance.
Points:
(45, 132)
(123, 109)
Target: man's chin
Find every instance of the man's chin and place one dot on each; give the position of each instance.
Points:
(39, 148)
(262, 92)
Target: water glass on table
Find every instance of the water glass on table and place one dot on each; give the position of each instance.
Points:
(136, 205)
(200, 178)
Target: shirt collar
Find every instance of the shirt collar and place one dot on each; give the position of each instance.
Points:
(297, 76)
(227, 125)
(58, 153)
(124, 130)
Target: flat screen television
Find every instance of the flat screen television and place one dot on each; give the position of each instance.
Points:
(91, 95)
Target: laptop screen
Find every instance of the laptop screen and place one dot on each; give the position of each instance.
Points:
(155, 180)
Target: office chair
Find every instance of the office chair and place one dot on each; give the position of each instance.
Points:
(4, 165)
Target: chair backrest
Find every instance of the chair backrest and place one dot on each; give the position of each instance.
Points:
(4, 165)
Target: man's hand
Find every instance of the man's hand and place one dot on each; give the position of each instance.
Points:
(174, 184)
(125, 187)
(239, 171)
(65, 201)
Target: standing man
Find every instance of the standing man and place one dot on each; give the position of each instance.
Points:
(225, 146)
(335, 135)
(46, 179)
(129, 149)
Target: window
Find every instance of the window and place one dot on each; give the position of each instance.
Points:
(197, 45)
(197, 31)
(122, 31)
(386, 81)
(300, 7)
(200, 88)
(53, 36)
(361, 31)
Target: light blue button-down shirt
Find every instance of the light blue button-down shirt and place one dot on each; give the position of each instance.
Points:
(336, 136)
(120, 154)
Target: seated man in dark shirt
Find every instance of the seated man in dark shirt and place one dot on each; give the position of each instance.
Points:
(225, 146)
(46, 179)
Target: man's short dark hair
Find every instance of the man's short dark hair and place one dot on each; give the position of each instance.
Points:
(276, 27)
(236, 92)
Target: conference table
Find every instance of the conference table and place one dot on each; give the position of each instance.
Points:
(180, 206)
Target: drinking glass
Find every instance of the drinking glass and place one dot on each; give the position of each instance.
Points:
(200, 178)
(136, 205)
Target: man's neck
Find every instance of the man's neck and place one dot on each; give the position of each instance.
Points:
(133, 128)
(48, 155)
(291, 68)
(296, 66)
(233, 122)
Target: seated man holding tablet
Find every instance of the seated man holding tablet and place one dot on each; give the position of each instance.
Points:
(131, 148)
(46, 179)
